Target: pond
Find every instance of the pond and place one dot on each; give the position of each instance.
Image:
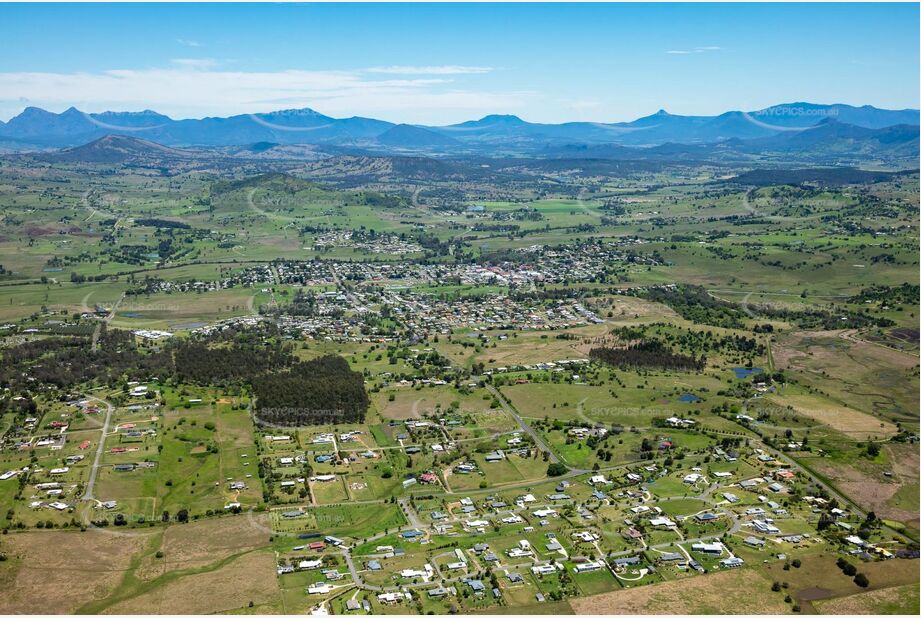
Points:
(744, 372)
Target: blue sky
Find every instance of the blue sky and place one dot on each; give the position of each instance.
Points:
(444, 63)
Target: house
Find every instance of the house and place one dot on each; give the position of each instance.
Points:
(705, 517)
(730, 497)
(352, 605)
(764, 527)
(731, 563)
(545, 569)
(319, 588)
(633, 533)
(776, 487)
(515, 578)
(309, 565)
(692, 478)
(411, 534)
(438, 592)
(495, 456)
(708, 548)
(476, 585)
(588, 567)
(545, 512)
(598, 479)
(754, 541)
(627, 561)
(374, 565)
(585, 535)
(661, 522)
(284, 568)
(671, 557)
(389, 598)
(413, 573)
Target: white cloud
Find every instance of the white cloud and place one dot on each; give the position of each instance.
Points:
(194, 63)
(431, 70)
(189, 43)
(194, 88)
(677, 52)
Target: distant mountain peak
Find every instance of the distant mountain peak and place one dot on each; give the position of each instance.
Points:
(501, 118)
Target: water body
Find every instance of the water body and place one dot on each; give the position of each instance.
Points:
(133, 314)
(689, 398)
(189, 325)
(744, 372)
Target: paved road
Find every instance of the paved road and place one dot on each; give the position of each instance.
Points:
(98, 330)
(538, 440)
(88, 494)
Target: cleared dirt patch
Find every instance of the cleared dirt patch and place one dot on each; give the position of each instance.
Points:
(57, 572)
(723, 593)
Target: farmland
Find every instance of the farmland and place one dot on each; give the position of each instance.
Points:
(661, 391)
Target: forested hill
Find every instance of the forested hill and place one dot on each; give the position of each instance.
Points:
(289, 391)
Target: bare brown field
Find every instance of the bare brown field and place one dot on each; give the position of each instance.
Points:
(53, 572)
(895, 600)
(868, 377)
(722, 593)
(201, 543)
(410, 403)
(248, 578)
(849, 421)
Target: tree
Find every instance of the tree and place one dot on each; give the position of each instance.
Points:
(556, 469)
(861, 580)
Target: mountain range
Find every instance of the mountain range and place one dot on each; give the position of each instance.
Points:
(832, 132)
